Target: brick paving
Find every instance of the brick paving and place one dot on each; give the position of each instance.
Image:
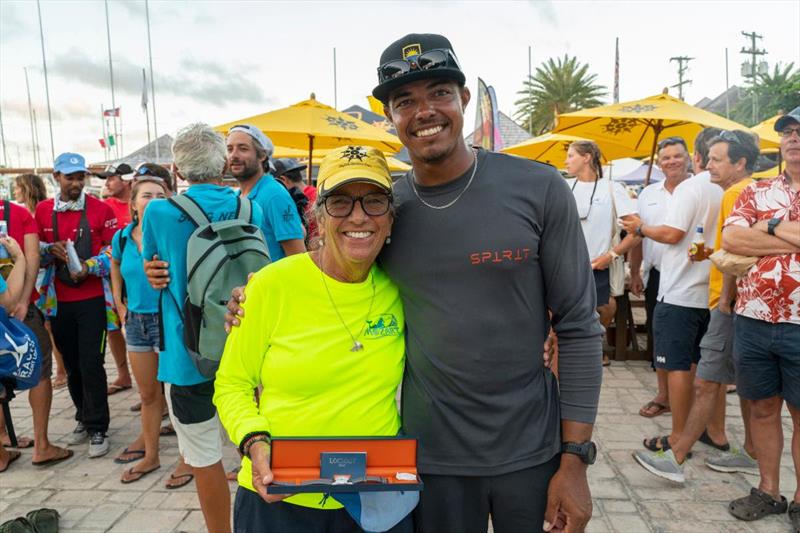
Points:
(89, 496)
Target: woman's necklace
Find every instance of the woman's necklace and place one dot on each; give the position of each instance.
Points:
(357, 346)
(413, 179)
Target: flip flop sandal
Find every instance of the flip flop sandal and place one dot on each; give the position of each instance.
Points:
(135, 408)
(137, 456)
(138, 473)
(173, 477)
(706, 439)
(757, 504)
(18, 525)
(59, 383)
(167, 431)
(113, 389)
(794, 515)
(661, 409)
(12, 456)
(63, 455)
(44, 520)
(658, 444)
(233, 473)
(22, 442)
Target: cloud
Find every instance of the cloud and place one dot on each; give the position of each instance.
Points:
(11, 23)
(204, 81)
(72, 110)
(545, 9)
(133, 7)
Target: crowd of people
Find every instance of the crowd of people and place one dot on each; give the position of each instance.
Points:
(486, 305)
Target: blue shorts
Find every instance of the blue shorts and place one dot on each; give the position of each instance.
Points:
(602, 286)
(141, 332)
(678, 331)
(767, 359)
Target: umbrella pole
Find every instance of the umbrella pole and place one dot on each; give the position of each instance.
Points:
(657, 130)
(310, 158)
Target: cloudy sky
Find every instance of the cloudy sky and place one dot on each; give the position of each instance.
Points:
(220, 61)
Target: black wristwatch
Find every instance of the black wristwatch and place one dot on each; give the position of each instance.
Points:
(587, 451)
(772, 224)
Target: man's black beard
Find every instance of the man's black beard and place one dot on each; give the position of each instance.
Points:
(256, 173)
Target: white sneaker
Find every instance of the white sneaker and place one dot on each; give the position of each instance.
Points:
(736, 460)
(78, 435)
(98, 445)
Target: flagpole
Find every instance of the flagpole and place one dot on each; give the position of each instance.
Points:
(46, 84)
(727, 88)
(36, 136)
(616, 72)
(335, 93)
(30, 117)
(144, 105)
(121, 136)
(152, 78)
(111, 72)
(3, 139)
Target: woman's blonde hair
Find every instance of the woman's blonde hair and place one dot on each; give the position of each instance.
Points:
(33, 189)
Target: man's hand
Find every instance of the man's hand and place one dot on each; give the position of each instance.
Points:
(701, 253)
(637, 284)
(80, 276)
(630, 223)
(157, 273)
(21, 309)
(569, 502)
(59, 250)
(551, 351)
(235, 312)
(262, 475)
(601, 262)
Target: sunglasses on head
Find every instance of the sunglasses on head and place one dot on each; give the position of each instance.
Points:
(430, 60)
(729, 136)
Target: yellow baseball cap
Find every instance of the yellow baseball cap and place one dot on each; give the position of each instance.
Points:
(350, 164)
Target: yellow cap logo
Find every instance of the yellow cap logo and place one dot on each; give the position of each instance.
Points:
(411, 50)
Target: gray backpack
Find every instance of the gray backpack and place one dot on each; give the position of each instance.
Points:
(219, 256)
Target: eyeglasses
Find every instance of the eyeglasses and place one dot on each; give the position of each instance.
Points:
(788, 132)
(669, 141)
(373, 204)
(430, 60)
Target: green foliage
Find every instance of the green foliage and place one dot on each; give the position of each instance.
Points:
(776, 92)
(558, 86)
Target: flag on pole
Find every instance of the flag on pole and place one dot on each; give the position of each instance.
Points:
(111, 112)
(111, 140)
(102, 143)
(616, 74)
(144, 91)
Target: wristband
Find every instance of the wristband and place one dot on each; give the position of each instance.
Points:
(244, 444)
(254, 440)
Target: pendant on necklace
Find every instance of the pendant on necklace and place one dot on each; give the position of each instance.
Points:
(357, 347)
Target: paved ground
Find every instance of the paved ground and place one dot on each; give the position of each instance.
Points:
(89, 496)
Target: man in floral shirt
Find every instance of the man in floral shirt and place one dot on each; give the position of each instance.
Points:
(765, 222)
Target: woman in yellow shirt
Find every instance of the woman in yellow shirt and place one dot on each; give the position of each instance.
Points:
(324, 338)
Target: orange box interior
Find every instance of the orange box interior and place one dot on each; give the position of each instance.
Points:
(298, 460)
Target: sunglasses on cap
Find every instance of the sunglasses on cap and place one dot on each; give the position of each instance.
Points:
(430, 60)
(669, 141)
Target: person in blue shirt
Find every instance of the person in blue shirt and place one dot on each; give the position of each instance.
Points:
(200, 158)
(248, 153)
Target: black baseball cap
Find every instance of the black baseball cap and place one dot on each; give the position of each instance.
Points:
(787, 119)
(285, 165)
(417, 56)
(122, 169)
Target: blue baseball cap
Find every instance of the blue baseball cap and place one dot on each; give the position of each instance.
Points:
(257, 135)
(67, 163)
(787, 119)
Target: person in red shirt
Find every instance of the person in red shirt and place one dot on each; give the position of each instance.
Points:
(79, 326)
(118, 184)
(22, 228)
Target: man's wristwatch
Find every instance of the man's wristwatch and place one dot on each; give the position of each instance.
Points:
(587, 451)
(639, 230)
(772, 224)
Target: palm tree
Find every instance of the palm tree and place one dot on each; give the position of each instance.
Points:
(558, 86)
(777, 91)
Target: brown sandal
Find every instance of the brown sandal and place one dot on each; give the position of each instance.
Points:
(648, 412)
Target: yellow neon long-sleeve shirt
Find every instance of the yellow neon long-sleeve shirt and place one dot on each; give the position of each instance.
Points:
(292, 342)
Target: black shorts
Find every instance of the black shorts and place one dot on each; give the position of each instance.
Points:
(602, 285)
(462, 504)
(678, 332)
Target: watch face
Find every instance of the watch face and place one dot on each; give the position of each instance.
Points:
(591, 453)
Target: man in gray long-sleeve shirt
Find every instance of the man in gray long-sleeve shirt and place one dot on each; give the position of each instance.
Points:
(483, 245)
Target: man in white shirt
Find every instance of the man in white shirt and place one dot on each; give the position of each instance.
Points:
(681, 315)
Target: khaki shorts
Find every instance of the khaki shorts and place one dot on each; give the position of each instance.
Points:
(34, 319)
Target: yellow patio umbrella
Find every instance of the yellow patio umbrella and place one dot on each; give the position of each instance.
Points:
(640, 124)
(766, 132)
(395, 165)
(551, 148)
(311, 124)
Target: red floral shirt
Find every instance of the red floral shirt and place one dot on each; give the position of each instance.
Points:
(770, 291)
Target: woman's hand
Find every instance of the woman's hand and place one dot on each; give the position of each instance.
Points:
(262, 475)
(602, 262)
(12, 247)
(80, 276)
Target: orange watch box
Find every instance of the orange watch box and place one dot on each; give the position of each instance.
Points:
(349, 464)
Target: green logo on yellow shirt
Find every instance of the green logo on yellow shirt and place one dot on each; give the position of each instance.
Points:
(384, 326)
